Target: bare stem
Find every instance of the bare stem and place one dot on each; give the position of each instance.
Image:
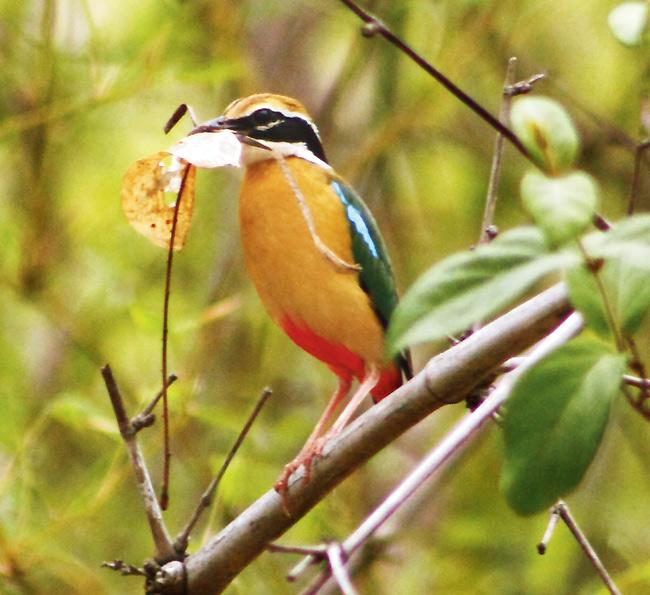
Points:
(145, 418)
(162, 542)
(553, 519)
(636, 176)
(637, 382)
(639, 367)
(303, 550)
(487, 230)
(336, 557)
(635, 403)
(594, 269)
(164, 493)
(179, 112)
(182, 540)
(587, 548)
(374, 25)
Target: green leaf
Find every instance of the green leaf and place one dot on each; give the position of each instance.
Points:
(546, 130)
(554, 422)
(629, 23)
(562, 206)
(472, 286)
(627, 288)
(625, 249)
(628, 239)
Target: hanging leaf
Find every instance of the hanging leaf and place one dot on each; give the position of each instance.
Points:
(628, 239)
(546, 130)
(562, 206)
(628, 22)
(627, 288)
(148, 186)
(472, 286)
(554, 422)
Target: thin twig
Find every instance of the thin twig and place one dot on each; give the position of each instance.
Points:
(336, 570)
(642, 383)
(523, 87)
(554, 517)
(511, 364)
(374, 25)
(145, 418)
(179, 112)
(639, 367)
(595, 269)
(570, 522)
(637, 404)
(180, 545)
(636, 176)
(303, 550)
(462, 432)
(123, 568)
(164, 493)
(487, 225)
(309, 560)
(309, 220)
(162, 542)
(637, 382)
(336, 557)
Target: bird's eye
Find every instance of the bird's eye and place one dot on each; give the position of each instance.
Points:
(263, 116)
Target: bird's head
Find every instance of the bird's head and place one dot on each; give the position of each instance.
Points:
(278, 121)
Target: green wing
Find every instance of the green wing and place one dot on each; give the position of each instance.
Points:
(376, 276)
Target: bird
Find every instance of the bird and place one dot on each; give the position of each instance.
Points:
(316, 258)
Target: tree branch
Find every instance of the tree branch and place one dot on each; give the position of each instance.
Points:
(561, 511)
(374, 26)
(163, 544)
(464, 431)
(446, 379)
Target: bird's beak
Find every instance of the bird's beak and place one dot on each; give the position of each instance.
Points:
(234, 125)
(214, 125)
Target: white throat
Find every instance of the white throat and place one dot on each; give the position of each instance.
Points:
(251, 154)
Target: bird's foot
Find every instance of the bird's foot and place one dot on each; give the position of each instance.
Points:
(305, 459)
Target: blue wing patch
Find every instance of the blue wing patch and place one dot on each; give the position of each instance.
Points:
(376, 275)
(355, 218)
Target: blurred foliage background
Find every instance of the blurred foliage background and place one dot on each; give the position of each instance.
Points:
(85, 88)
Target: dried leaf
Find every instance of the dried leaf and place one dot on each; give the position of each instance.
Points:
(147, 186)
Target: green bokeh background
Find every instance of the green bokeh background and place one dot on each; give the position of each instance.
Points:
(85, 87)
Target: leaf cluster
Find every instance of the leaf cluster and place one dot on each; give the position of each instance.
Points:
(558, 411)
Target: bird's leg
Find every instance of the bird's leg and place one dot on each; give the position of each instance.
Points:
(308, 451)
(369, 382)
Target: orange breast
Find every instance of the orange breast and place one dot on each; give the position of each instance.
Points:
(295, 281)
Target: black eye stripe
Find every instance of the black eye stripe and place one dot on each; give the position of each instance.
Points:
(291, 129)
(265, 117)
(272, 125)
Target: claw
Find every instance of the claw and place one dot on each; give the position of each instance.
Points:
(305, 459)
(313, 448)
